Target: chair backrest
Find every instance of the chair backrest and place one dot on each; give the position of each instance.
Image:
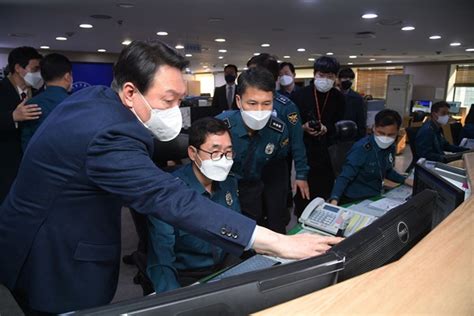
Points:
(411, 136)
(175, 149)
(346, 130)
(338, 153)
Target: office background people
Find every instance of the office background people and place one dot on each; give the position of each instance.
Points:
(321, 105)
(66, 232)
(15, 90)
(224, 96)
(430, 142)
(468, 128)
(177, 258)
(56, 71)
(286, 79)
(356, 108)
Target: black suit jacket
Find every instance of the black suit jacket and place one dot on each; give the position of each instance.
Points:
(10, 137)
(219, 100)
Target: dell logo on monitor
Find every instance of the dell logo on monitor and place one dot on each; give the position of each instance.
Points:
(403, 234)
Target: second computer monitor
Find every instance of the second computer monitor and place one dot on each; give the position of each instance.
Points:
(388, 238)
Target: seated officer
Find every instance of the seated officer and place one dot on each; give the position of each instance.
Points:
(430, 142)
(257, 136)
(177, 258)
(369, 162)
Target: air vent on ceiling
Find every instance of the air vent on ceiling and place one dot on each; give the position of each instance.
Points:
(20, 35)
(101, 16)
(366, 34)
(390, 22)
(192, 48)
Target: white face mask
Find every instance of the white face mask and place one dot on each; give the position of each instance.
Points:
(33, 79)
(384, 141)
(215, 170)
(323, 84)
(164, 124)
(443, 120)
(256, 120)
(286, 80)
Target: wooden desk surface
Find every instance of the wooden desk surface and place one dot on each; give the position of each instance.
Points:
(436, 277)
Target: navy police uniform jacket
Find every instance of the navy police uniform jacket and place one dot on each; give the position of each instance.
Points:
(366, 166)
(171, 249)
(431, 144)
(287, 111)
(60, 223)
(252, 153)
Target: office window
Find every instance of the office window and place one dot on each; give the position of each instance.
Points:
(464, 85)
(373, 81)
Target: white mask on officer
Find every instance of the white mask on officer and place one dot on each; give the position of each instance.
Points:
(164, 124)
(215, 170)
(256, 120)
(443, 119)
(34, 79)
(286, 80)
(323, 84)
(384, 141)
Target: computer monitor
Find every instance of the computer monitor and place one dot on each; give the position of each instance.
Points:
(387, 238)
(237, 295)
(421, 105)
(449, 196)
(454, 107)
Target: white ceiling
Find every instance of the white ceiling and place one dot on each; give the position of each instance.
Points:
(319, 26)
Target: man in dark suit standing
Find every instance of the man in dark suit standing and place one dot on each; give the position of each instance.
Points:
(15, 90)
(224, 96)
(60, 241)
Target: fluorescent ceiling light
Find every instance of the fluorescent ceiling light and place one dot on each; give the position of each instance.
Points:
(369, 16)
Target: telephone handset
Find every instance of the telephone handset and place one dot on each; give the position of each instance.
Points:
(326, 218)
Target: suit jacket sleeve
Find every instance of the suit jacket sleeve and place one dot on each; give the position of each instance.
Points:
(118, 161)
(6, 112)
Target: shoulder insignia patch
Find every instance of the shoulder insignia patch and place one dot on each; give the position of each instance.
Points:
(227, 122)
(285, 142)
(293, 118)
(276, 125)
(282, 99)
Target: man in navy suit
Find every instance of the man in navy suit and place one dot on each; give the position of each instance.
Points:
(60, 223)
(224, 96)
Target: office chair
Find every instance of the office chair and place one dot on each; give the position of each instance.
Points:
(411, 136)
(418, 116)
(346, 133)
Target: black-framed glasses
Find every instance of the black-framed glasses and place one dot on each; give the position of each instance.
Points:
(217, 155)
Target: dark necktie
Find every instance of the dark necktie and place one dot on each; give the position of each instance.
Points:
(23, 96)
(230, 97)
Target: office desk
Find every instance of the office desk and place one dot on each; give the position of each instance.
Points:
(435, 277)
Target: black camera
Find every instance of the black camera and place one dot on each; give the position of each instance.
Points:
(315, 124)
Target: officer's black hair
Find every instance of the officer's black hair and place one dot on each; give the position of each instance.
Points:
(388, 117)
(346, 73)
(139, 61)
(21, 56)
(231, 66)
(55, 66)
(326, 64)
(267, 61)
(290, 65)
(255, 77)
(201, 128)
(439, 105)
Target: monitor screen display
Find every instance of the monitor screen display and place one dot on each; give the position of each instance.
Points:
(387, 238)
(454, 107)
(421, 105)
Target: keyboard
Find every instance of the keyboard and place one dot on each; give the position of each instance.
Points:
(255, 263)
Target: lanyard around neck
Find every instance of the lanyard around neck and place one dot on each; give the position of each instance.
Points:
(317, 103)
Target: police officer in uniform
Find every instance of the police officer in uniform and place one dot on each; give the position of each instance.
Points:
(177, 258)
(276, 174)
(257, 137)
(369, 162)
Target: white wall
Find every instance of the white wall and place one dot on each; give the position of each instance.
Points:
(429, 81)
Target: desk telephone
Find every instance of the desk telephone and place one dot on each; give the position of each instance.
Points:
(325, 218)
